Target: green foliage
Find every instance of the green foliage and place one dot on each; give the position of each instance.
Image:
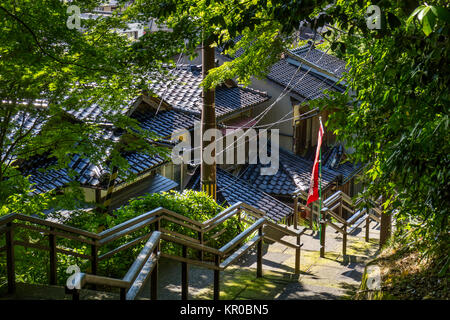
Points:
(395, 114)
(266, 29)
(41, 58)
(427, 17)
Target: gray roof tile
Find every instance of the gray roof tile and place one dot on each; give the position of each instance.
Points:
(295, 172)
(302, 82)
(323, 60)
(233, 189)
(180, 88)
(166, 121)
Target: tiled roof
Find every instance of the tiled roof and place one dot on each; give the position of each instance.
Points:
(26, 121)
(279, 184)
(233, 189)
(97, 113)
(233, 99)
(181, 90)
(140, 162)
(311, 85)
(38, 170)
(49, 180)
(295, 173)
(323, 60)
(166, 121)
(302, 82)
(45, 179)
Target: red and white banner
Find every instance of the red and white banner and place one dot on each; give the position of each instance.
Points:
(313, 194)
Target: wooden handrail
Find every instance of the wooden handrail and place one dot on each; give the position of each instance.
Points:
(290, 232)
(221, 220)
(181, 217)
(85, 278)
(326, 211)
(190, 244)
(222, 213)
(129, 223)
(148, 253)
(339, 199)
(236, 240)
(124, 232)
(253, 210)
(143, 256)
(18, 216)
(238, 253)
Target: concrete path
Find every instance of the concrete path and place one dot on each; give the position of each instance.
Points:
(332, 277)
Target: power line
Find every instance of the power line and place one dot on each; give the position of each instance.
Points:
(252, 127)
(168, 85)
(280, 96)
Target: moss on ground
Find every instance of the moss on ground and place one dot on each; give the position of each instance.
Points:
(241, 283)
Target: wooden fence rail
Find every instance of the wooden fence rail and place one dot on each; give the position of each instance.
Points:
(339, 201)
(223, 257)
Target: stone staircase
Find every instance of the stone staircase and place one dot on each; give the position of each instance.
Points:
(332, 277)
(274, 268)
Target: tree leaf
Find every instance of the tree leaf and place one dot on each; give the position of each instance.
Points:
(441, 13)
(428, 23)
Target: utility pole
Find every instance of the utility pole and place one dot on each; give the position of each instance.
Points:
(208, 171)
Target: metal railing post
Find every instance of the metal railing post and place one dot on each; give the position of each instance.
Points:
(217, 278)
(297, 256)
(323, 224)
(52, 245)
(10, 260)
(259, 254)
(184, 276)
(295, 212)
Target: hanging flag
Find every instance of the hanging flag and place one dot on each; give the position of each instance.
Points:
(313, 194)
